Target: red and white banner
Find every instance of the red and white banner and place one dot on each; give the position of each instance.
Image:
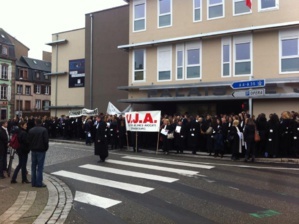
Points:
(143, 121)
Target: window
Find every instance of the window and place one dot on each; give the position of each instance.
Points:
(3, 92)
(215, 9)
(180, 62)
(268, 4)
(139, 15)
(3, 112)
(46, 77)
(37, 75)
(23, 73)
(164, 13)
(46, 104)
(19, 89)
(28, 90)
(197, 10)
(193, 61)
(242, 55)
(226, 57)
(47, 90)
(240, 7)
(164, 63)
(4, 71)
(4, 50)
(139, 65)
(37, 89)
(289, 51)
(38, 104)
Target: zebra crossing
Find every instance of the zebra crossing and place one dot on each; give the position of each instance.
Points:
(126, 163)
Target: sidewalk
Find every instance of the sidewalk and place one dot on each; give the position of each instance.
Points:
(23, 204)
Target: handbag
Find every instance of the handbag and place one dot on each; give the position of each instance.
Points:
(257, 137)
(170, 136)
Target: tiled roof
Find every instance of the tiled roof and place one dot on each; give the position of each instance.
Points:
(37, 64)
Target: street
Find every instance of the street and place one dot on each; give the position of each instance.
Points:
(148, 188)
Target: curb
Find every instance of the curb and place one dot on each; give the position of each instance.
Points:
(59, 202)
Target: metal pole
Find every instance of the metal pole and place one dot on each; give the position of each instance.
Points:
(91, 64)
(250, 102)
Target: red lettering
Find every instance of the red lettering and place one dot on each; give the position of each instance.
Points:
(148, 118)
(136, 118)
(129, 118)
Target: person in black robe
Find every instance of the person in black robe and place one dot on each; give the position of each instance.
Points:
(180, 134)
(101, 146)
(272, 146)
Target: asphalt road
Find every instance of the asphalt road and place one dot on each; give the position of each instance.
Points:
(147, 188)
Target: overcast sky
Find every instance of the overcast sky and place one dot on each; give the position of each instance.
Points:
(33, 22)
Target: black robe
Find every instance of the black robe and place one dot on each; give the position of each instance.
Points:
(101, 144)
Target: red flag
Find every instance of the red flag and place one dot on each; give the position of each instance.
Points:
(248, 3)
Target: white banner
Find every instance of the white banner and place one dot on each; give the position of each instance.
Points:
(83, 112)
(143, 121)
(112, 110)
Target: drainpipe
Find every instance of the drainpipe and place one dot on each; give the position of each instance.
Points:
(91, 64)
(56, 78)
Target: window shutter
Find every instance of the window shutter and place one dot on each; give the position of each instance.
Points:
(35, 88)
(43, 89)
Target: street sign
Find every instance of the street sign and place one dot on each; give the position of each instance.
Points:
(249, 93)
(249, 84)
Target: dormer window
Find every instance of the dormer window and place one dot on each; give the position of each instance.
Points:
(37, 75)
(4, 50)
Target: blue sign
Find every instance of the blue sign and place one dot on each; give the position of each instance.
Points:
(249, 84)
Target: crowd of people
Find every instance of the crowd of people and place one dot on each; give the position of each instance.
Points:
(17, 134)
(216, 135)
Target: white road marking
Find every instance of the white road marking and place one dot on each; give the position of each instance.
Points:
(104, 182)
(234, 188)
(161, 168)
(210, 181)
(170, 162)
(129, 173)
(95, 200)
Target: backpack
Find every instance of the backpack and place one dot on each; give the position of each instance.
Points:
(14, 141)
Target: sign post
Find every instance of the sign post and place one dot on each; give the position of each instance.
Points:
(249, 84)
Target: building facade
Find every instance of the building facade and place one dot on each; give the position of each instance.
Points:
(185, 56)
(106, 65)
(33, 87)
(68, 72)
(7, 71)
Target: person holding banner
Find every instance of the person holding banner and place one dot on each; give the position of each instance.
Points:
(101, 145)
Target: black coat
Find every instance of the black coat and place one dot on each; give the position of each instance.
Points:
(236, 139)
(3, 141)
(101, 144)
(272, 138)
(24, 144)
(38, 139)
